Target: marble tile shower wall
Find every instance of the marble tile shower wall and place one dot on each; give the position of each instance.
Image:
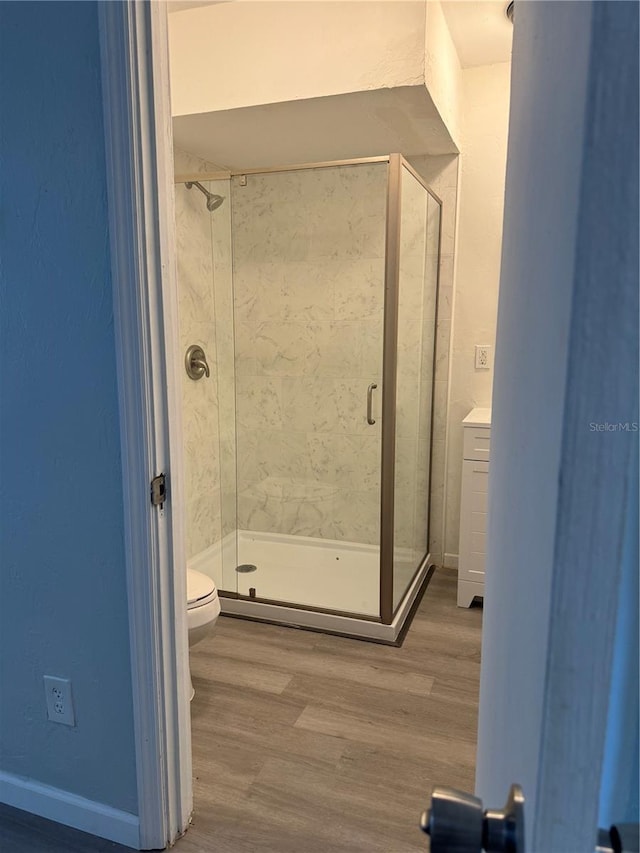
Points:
(308, 254)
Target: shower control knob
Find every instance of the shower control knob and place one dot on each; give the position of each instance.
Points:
(195, 362)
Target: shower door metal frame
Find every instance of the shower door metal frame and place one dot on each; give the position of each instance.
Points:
(389, 384)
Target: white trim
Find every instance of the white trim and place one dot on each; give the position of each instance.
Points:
(349, 625)
(302, 167)
(135, 81)
(69, 809)
(168, 389)
(450, 561)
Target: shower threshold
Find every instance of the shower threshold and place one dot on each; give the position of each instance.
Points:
(319, 585)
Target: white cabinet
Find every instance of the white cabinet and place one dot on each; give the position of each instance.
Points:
(473, 505)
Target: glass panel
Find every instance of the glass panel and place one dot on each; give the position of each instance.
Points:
(208, 411)
(226, 385)
(418, 277)
(308, 259)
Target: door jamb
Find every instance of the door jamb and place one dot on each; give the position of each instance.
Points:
(139, 154)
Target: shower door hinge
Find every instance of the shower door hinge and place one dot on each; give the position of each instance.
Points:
(159, 490)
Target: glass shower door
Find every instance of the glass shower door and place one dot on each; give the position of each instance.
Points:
(308, 255)
(417, 291)
(208, 410)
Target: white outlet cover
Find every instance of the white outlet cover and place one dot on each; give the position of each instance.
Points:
(59, 700)
(483, 357)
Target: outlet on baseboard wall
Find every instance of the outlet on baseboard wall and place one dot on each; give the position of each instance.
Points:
(483, 357)
(59, 700)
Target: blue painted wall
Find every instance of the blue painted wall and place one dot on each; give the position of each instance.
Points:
(63, 605)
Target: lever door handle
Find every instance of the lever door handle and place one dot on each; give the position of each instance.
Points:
(370, 390)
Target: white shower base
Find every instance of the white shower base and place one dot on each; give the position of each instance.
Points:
(322, 573)
(297, 572)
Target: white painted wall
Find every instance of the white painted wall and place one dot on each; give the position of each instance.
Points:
(442, 72)
(234, 55)
(485, 116)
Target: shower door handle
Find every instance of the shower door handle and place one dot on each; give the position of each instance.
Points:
(370, 390)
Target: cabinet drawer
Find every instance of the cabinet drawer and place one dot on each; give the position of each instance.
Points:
(476, 443)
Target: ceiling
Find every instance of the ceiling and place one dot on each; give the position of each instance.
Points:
(480, 30)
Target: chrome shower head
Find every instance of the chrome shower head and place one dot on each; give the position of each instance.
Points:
(213, 201)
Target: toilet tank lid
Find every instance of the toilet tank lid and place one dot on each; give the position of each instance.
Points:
(199, 586)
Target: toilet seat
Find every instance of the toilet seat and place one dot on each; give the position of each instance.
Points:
(201, 590)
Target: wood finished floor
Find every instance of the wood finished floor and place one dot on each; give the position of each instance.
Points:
(317, 744)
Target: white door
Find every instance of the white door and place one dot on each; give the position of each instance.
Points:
(563, 469)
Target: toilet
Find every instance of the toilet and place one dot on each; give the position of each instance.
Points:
(203, 608)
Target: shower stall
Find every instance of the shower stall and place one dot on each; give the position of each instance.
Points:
(312, 293)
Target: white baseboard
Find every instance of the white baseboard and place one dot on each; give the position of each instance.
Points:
(70, 809)
(450, 561)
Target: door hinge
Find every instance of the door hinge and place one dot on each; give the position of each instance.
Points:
(159, 490)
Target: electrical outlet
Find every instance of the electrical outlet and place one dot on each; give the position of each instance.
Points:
(59, 700)
(483, 357)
